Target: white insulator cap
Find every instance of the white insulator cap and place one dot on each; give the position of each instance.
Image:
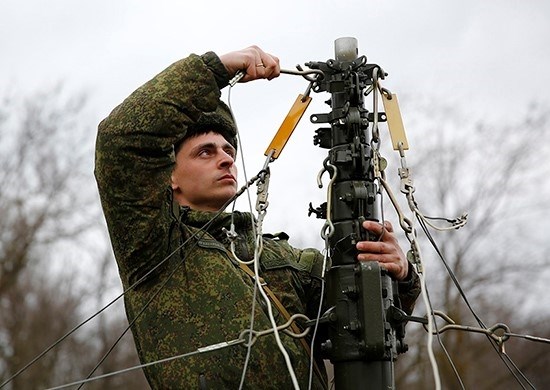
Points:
(346, 49)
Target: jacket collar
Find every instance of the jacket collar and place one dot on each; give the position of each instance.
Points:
(198, 219)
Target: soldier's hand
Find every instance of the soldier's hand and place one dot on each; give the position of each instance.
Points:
(256, 63)
(386, 250)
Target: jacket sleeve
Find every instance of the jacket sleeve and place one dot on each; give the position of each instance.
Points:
(134, 155)
(409, 290)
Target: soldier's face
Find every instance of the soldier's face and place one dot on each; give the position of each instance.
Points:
(205, 176)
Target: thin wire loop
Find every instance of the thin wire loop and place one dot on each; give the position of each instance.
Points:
(249, 334)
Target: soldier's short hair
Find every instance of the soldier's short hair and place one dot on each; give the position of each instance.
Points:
(218, 121)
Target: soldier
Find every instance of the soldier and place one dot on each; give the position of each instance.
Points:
(165, 167)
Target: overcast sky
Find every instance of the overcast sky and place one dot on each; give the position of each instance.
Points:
(490, 57)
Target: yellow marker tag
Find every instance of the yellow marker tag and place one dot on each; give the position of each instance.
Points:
(288, 126)
(395, 123)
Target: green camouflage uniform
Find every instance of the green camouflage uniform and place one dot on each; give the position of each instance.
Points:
(199, 296)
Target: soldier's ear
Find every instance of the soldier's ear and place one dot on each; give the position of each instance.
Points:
(173, 183)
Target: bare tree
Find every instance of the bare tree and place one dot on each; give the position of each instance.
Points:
(37, 315)
(40, 158)
(49, 215)
(495, 172)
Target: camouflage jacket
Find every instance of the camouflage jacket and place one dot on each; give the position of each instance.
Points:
(184, 288)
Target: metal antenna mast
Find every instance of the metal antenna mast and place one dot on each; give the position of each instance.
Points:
(362, 343)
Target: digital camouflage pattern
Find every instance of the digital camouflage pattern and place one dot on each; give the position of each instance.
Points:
(199, 296)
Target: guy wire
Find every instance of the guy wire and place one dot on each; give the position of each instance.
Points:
(257, 252)
(508, 362)
(232, 244)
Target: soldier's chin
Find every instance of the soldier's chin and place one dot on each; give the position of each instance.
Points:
(226, 199)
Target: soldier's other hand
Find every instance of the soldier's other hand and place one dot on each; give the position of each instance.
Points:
(256, 63)
(386, 250)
